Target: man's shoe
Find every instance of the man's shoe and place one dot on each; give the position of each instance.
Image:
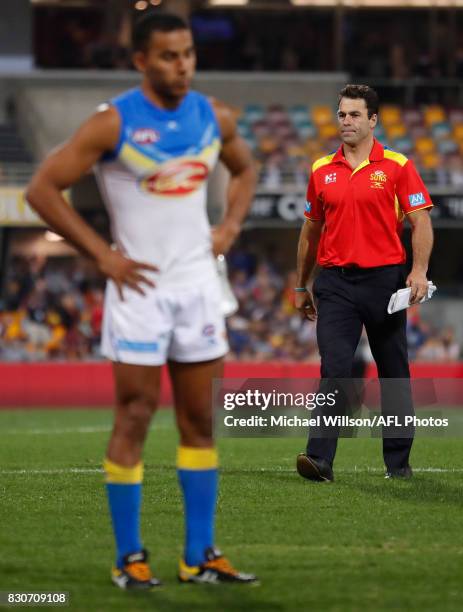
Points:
(405, 473)
(135, 573)
(215, 570)
(318, 470)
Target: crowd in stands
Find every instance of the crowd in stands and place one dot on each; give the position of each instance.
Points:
(286, 139)
(52, 310)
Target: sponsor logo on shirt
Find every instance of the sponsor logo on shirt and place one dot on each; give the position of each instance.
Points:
(378, 178)
(308, 206)
(177, 178)
(330, 178)
(144, 136)
(416, 199)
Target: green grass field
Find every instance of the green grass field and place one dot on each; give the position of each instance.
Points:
(361, 543)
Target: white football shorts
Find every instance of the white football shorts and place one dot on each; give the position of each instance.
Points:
(185, 325)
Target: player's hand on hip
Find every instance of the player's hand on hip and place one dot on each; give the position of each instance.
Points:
(304, 302)
(419, 284)
(223, 236)
(124, 271)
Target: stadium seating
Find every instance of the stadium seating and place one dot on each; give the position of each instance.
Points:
(286, 138)
(432, 136)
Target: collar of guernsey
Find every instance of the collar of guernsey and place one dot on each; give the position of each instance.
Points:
(363, 209)
(151, 136)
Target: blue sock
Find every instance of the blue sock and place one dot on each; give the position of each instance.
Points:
(124, 487)
(198, 476)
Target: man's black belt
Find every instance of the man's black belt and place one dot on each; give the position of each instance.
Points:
(358, 270)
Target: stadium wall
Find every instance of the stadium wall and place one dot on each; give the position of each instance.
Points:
(51, 107)
(90, 384)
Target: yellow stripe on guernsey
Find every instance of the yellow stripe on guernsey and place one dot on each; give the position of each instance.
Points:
(140, 163)
(323, 161)
(119, 474)
(365, 162)
(189, 458)
(397, 157)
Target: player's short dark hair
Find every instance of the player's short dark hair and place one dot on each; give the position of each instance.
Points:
(154, 22)
(363, 92)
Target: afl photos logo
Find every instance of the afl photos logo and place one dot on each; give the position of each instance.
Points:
(177, 178)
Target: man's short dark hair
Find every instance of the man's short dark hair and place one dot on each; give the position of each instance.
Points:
(363, 92)
(154, 22)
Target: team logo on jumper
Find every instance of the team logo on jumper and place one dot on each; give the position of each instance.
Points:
(209, 334)
(330, 178)
(378, 179)
(416, 199)
(308, 207)
(144, 136)
(177, 178)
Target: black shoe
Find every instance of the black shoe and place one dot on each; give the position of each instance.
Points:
(216, 569)
(406, 473)
(314, 469)
(135, 573)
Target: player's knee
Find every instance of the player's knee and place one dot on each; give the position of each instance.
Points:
(135, 414)
(196, 427)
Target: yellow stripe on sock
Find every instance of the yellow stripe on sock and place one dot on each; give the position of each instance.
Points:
(189, 458)
(120, 474)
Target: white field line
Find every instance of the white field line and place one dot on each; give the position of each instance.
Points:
(45, 432)
(355, 470)
(67, 430)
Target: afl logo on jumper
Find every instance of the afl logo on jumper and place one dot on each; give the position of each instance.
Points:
(177, 178)
(144, 136)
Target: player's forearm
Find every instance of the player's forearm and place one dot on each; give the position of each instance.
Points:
(239, 197)
(49, 203)
(307, 247)
(422, 241)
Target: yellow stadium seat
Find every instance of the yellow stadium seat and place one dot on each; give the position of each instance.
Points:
(327, 131)
(295, 150)
(395, 130)
(390, 114)
(268, 145)
(312, 146)
(458, 131)
(425, 145)
(321, 115)
(430, 161)
(434, 114)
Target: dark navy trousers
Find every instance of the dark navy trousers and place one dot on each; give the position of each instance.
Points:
(348, 299)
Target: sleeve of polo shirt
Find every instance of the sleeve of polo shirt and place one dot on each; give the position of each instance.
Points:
(313, 206)
(411, 191)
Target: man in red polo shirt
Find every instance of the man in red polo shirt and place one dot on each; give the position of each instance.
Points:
(357, 199)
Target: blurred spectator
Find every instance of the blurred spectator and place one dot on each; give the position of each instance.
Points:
(53, 309)
(455, 171)
(442, 347)
(272, 174)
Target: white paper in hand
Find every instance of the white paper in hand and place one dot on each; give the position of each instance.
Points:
(401, 298)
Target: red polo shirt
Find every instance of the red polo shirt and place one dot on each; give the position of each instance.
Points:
(363, 209)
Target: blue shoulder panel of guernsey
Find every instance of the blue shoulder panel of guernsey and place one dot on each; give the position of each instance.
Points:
(154, 183)
(170, 152)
